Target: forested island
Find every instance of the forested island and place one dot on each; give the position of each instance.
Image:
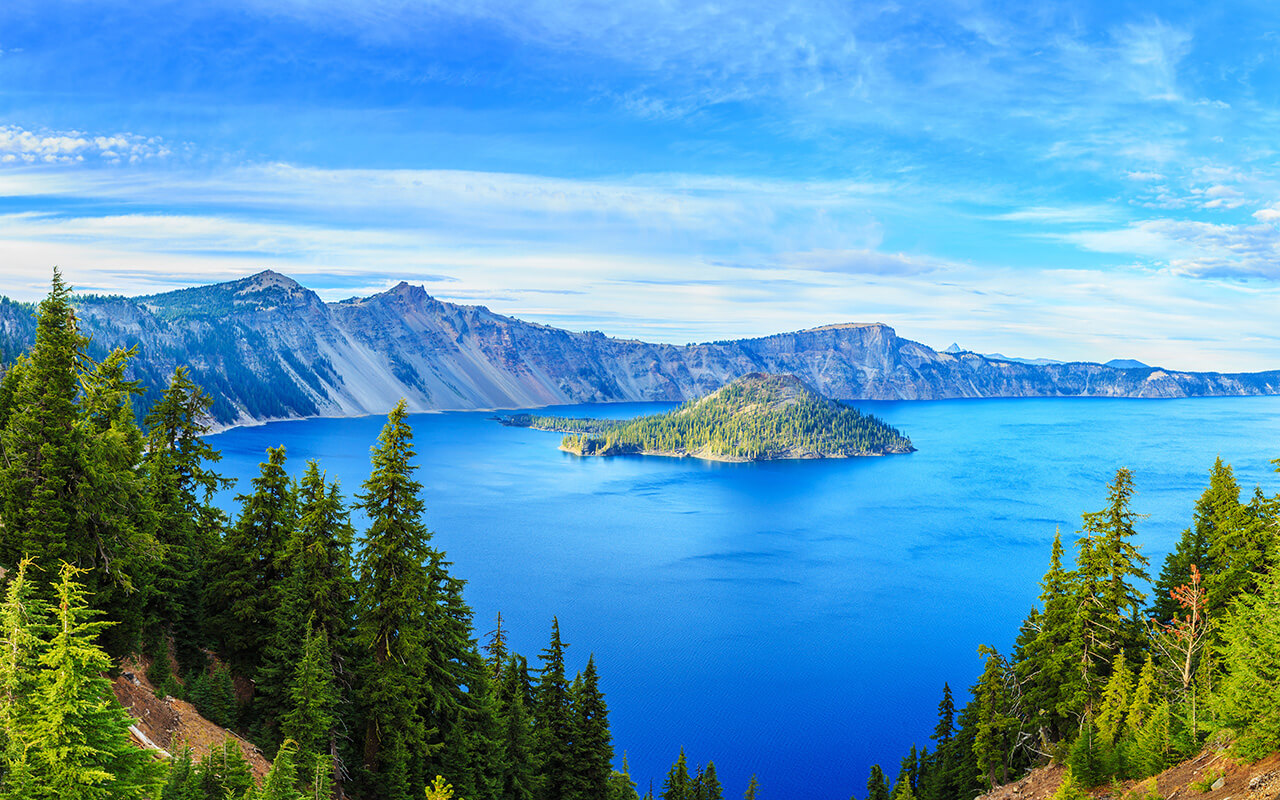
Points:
(758, 417)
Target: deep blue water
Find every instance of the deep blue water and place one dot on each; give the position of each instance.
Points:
(791, 619)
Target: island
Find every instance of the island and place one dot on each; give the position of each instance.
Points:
(758, 417)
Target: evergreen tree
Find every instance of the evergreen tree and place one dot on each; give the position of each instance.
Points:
(1246, 698)
(495, 648)
(313, 699)
(1116, 699)
(877, 786)
(180, 485)
(70, 739)
(224, 773)
(591, 745)
(678, 785)
(41, 464)
(281, 781)
(1047, 664)
(753, 789)
(995, 724)
(1240, 552)
(1218, 512)
(250, 567)
(1109, 602)
(518, 778)
(621, 786)
(1089, 758)
(554, 724)
(394, 579)
(317, 590)
(709, 787)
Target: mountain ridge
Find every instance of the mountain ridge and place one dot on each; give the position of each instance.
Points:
(267, 348)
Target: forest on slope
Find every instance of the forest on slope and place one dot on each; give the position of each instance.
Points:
(1112, 686)
(757, 417)
(350, 658)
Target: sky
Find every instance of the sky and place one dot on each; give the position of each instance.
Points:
(1079, 181)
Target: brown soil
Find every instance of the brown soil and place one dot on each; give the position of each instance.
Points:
(1258, 781)
(174, 724)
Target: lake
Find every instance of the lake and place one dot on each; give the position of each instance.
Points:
(791, 619)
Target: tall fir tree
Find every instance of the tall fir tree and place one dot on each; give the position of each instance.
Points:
(592, 745)
(394, 580)
(877, 786)
(678, 785)
(244, 588)
(518, 779)
(1110, 568)
(179, 479)
(72, 735)
(554, 724)
(41, 445)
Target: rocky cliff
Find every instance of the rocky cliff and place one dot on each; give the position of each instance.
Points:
(266, 348)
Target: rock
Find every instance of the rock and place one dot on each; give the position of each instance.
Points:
(1218, 784)
(266, 347)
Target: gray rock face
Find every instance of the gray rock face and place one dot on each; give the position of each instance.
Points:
(267, 348)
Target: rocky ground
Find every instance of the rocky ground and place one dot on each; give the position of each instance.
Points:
(171, 725)
(1238, 781)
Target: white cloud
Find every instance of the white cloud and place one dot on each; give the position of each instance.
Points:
(21, 146)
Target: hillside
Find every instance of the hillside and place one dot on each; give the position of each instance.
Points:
(757, 417)
(266, 347)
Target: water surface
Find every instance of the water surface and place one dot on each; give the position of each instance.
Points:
(791, 619)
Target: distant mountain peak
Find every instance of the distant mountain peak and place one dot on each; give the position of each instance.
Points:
(267, 279)
(954, 348)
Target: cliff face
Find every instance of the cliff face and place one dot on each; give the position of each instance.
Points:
(267, 348)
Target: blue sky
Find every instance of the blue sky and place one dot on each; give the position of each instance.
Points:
(1077, 181)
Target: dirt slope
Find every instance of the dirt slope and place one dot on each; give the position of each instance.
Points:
(1258, 781)
(171, 724)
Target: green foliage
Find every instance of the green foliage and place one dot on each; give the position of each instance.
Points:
(394, 578)
(180, 488)
(244, 588)
(756, 417)
(1090, 759)
(65, 735)
(678, 785)
(212, 692)
(1247, 697)
(1069, 789)
(753, 789)
(1206, 782)
(877, 786)
(1116, 699)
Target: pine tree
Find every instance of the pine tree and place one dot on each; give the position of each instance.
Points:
(1246, 698)
(1240, 552)
(495, 648)
(678, 785)
(1047, 663)
(1089, 759)
(1116, 699)
(40, 442)
(1217, 513)
(621, 786)
(245, 587)
(518, 779)
(554, 722)
(1109, 601)
(72, 731)
(281, 780)
(877, 786)
(710, 786)
(180, 485)
(592, 748)
(317, 590)
(394, 578)
(313, 699)
(753, 789)
(995, 723)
